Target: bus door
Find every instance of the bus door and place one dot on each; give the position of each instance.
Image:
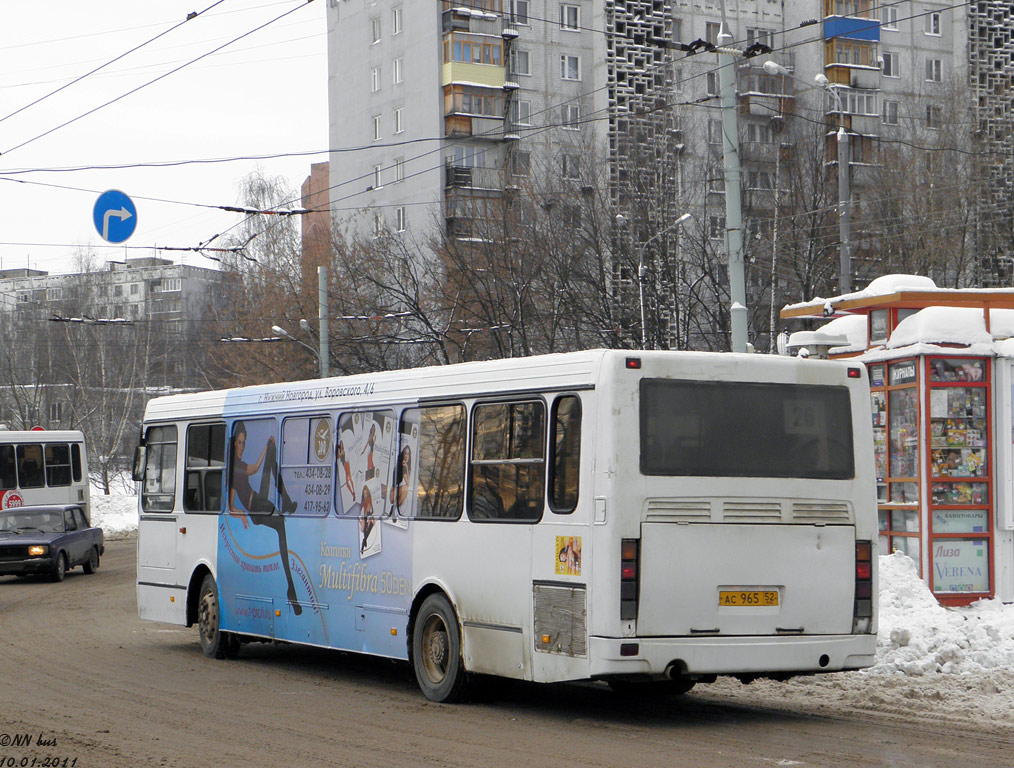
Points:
(561, 551)
(505, 500)
(196, 533)
(155, 468)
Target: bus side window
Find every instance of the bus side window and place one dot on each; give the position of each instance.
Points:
(565, 454)
(440, 483)
(508, 463)
(30, 466)
(75, 461)
(57, 464)
(203, 475)
(8, 468)
(158, 489)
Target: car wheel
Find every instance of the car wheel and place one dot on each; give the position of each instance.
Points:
(59, 568)
(92, 563)
(215, 643)
(436, 651)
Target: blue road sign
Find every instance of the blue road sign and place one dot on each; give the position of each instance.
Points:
(115, 216)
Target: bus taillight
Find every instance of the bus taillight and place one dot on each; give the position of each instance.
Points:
(862, 614)
(628, 579)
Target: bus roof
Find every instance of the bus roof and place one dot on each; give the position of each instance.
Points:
(561, 371)
(41, 436)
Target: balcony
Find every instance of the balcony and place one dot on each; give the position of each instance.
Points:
(479, 179)
(458, 126)
(468, 20)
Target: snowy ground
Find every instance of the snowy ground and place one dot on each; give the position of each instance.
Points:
(952, 663)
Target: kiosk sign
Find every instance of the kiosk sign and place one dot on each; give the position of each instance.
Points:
(960, 565)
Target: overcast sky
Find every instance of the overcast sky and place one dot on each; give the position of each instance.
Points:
(263, 94)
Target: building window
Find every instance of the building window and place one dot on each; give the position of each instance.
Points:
(55, 411)
(399, 125)
(716, 227)
(677, 30)
(762, 36)
(400, 221)
(570, 67)
(711, 30)
(859, 103)
(399, 169)
(519, 9)
(521, 163)
(933, 24)
(889, 17)
(473, 100)
(378, 224)
(760, 133)
(712, 84)
(396, 70)
(378, 179)
(571, 166)
(133, 289)
(892, 67)
(375, 30)
(374, 79)
(932, 116)
(521, 112)
(520, 63)
(377, 131)
(117, 290)
(890, 113)
(472, 49)
(570, 117)
(396, 20)
(934, 70)
(714, 131)
(570, 17)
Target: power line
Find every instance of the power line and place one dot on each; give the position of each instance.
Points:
(190, 16)
(157, 79)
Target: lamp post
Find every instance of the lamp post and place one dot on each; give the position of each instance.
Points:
(642, 269)
(279, 331)
(844, 181)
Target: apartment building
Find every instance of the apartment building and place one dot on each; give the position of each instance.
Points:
(455, 100)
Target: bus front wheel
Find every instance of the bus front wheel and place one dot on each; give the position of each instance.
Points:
(215, 643)
(436, 651)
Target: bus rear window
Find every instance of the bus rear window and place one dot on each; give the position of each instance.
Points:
(744, 429)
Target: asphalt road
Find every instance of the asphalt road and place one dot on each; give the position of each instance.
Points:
(84, 683)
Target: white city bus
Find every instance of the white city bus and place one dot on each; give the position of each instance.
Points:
(43, 466)
(650, 519)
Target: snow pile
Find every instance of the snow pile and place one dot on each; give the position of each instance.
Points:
(918, 636)
(115, 514)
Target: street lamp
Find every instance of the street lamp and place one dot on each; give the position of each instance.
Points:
(279, 331)
(642, 270)
(844, 188)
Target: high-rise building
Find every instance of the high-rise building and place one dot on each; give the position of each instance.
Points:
(445, 105)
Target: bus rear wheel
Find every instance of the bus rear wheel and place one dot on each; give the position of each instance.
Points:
(215, 643)
(436, 651)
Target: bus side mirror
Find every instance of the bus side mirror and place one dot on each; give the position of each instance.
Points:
(139, 460)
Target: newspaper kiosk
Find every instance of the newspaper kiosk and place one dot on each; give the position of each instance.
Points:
(941, 368)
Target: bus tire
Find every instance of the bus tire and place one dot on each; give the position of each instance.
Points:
(215, 643)
(59, 568)
(92, 563)
(436, 651)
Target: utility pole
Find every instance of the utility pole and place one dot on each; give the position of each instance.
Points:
(844, 204)
(322, 317)
(733, 200)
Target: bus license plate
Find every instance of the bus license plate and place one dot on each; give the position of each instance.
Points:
(748, 597)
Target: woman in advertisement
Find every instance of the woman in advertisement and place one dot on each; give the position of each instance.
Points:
(248, 505)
